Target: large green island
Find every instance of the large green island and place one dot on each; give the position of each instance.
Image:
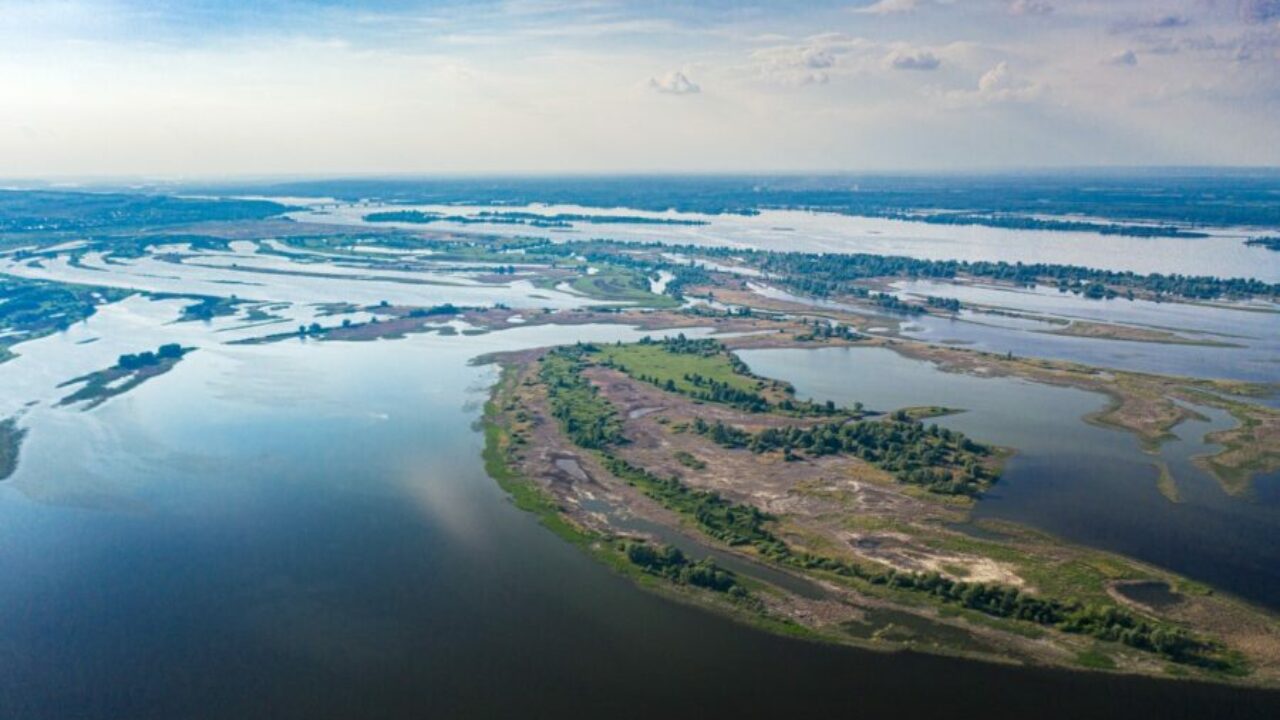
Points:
(669, 460)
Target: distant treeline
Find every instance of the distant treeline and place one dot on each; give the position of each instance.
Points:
(826, 274)
(58, 211)
(495, 217)
(1166, 196)
(1026, 222)
(1268, 242)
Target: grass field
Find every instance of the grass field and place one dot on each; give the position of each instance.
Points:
(620, 285)
(654, 361)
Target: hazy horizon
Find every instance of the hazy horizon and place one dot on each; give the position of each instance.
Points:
(231, 179)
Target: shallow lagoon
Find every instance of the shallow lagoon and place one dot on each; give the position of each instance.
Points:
(1253, 354)
(1081, 482)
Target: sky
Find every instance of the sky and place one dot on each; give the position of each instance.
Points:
(214, 88)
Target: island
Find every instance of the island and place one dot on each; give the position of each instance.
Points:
(11, 437)
(673, 463)
(130, 371)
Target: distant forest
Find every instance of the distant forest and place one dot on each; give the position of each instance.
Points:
(1160, 197)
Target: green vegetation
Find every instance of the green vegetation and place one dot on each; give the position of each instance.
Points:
(940, 460)
(207, 308)
(832, 274)
(668, 562)
(134, 361)
(731, 523)
(943, 303)
(1268, 242)
(509, 217)
(1165, 483)
(55, 211)
(525, 494)
(447, 309)
(823, 275)
(621, 285)
(823, 330)
(586, 419)
(700, 369)
(10, 443)
(1024, 222)
(688, 460)
(31, 309)
(705, 370)
(130, 371)
(738, 524)
(1095, 659)
(627, 556)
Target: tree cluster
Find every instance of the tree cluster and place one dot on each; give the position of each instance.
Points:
(135, 361)
(669, 562)
(940, 460)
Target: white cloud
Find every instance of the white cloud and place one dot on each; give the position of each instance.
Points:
(1125, 58)
(999, 85)
(674, 83)
(912, 60)
(1030, 7)
(894, 7)
(810, 62)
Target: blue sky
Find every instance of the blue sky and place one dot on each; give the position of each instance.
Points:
(215, 87)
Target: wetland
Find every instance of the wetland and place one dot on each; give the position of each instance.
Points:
(390, 464)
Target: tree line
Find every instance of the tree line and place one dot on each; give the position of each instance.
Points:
(669, 562)
(136, 361)
(940, 460)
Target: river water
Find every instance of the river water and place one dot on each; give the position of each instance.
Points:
(305, 530)
(1078, 481)
(1223, 253)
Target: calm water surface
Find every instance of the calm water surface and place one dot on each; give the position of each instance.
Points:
(1078, 481)
(306, 531)
(1223, 254)
(1254, 337)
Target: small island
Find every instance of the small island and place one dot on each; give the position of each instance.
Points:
(130, 371)
(11, 437)
(1270, 242)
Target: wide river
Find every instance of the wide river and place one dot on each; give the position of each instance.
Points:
(305, 529)
(1223, 253)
